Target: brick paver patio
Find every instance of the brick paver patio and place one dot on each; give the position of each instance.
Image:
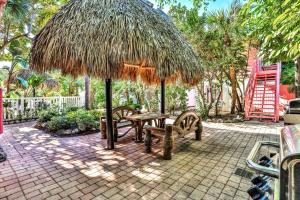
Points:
(40, 166)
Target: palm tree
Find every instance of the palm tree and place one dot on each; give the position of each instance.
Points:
(18, 64)
(226, 24)
(14, 20)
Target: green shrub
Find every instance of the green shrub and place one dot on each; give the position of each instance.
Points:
(86, 123)
(47, 115)
(96, 114)
(71, 109)
(82, 119)
(85, 120)
(59, 122)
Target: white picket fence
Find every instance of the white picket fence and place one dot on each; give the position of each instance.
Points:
(27, 108)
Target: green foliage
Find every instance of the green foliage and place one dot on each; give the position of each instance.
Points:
(196, 3)
(220, 41)
(59, 122)
(275, 23)
(96, 114)
(69, 85)
(86, 121)
(70, 109)
(97, 94)
(288, 73)
(176, 98)
(47, 115)
(82, 119)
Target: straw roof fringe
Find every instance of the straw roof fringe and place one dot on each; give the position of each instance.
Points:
(115, 39)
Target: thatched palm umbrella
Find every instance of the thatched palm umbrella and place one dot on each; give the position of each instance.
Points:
(115, 39)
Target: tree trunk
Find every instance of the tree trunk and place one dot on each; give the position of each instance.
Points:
(218, 99)
(240, 99)
(87, 92)
(33, 92)
(233, 81)
(8, 84)
(297, 78)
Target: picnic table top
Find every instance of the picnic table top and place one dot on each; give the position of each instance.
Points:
(147, 116)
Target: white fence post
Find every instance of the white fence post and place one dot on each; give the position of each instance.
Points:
(14, 107)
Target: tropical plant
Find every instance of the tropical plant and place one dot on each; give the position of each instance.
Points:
(220, 42)
(275, 24)
(176, 98)
(18, 63)
(288, 73)
(14, 25)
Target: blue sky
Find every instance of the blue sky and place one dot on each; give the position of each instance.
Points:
(218, 4)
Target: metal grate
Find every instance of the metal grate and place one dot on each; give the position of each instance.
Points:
(243, 173)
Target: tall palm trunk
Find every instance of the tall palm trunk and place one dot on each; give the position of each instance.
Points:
(33, 92)
(8, 83)
(87, 92)
(233, 81)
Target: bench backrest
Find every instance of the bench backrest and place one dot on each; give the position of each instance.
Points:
(186, 123)
(120, 112)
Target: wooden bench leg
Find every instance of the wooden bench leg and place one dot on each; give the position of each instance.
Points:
(199, 130)
(103, 129)
(148, 141)
(115, 128)
(168, 143)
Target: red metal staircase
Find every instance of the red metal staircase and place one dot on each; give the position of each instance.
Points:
(262, 94)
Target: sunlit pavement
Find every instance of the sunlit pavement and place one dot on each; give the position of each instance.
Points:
(40, 166)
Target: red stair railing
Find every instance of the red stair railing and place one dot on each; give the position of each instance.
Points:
(277, 95)
(267, 72)
(250, 90)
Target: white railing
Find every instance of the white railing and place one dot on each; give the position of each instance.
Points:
(27, 108)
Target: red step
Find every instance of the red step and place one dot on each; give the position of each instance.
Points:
(262, 93)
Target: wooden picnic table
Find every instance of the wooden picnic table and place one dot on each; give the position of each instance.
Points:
(140, 120)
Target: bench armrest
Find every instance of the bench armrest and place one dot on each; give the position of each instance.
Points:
(154, 129)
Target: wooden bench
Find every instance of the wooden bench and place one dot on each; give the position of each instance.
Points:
(119, 121)
(187, 122)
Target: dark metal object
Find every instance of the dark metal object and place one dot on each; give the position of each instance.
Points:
(293, 106)
(286, 169)
(273, 172)
(3, 155)
(292, 112)
(109, 117)
(163, 96)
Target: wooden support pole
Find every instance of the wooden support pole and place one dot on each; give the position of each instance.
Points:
(148, 141)
(168, 143)
(109, 120)
(87, 82)
(162, 96)
(199, 129)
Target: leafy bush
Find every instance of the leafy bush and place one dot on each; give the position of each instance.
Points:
(86, 122)
(71, 109)
(47, 115)
(96, 114)
(59, 122)
(77, 118)
(288, 73)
